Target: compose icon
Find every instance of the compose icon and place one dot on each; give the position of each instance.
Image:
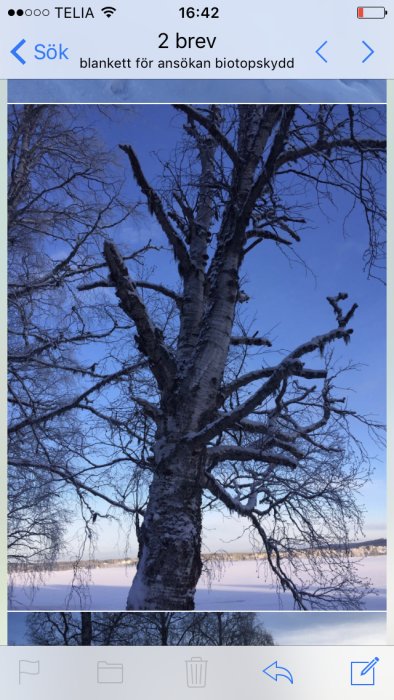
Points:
(109, 673)
(363, 672)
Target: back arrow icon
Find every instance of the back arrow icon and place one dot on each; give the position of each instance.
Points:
(15, 50)
(274, 671)
(320, 54)
(371, 51)
(15, 53)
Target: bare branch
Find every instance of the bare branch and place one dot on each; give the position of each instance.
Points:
(72, 479)
(74, 403)
(322, 147)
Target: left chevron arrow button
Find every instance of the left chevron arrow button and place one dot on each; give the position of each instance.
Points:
(318, 51)
(15, 53)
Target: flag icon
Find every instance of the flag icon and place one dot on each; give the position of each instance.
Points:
(28, 668)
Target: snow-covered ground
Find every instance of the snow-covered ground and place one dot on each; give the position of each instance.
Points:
(243, 585)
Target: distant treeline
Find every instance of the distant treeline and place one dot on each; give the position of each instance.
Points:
(363, 549)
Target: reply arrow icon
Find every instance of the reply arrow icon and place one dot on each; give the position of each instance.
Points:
(274, 671)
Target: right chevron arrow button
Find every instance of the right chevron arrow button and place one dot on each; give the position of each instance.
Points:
(370, 52)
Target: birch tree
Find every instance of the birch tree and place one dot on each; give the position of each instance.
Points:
(188, 423)
(272, 444)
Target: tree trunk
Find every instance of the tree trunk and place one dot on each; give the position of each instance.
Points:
(164, 625)
(86, 629)
(169, 564)
(220, 628)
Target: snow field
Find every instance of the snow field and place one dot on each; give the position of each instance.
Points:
(243, 585)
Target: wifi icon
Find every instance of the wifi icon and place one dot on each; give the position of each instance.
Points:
(108, 11)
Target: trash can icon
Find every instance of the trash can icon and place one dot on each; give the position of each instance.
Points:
(196, 672)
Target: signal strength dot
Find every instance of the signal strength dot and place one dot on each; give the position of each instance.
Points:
(108, 11)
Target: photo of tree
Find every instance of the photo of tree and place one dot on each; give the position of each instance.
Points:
(195, 628)
(147, 629)
(196, 357)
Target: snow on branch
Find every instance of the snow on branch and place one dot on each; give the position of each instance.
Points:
(224, 453)
(270, 164)
(142, 284)
(156, 208)
(149, 408)
(219, 492)
(285, 369)
(332, 582)
(272, 550)
(289, 366)
(257, 236)
(150, 338)
(264, 372)
(334, 301)
(210, 126)
(245, 340)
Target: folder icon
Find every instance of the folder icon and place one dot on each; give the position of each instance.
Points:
(109, 673)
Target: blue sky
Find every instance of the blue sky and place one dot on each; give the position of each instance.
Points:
(337, 628)
(287, 299)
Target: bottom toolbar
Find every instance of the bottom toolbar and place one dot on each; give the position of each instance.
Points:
(230, 672)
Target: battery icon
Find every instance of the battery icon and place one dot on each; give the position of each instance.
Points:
(371, 12)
